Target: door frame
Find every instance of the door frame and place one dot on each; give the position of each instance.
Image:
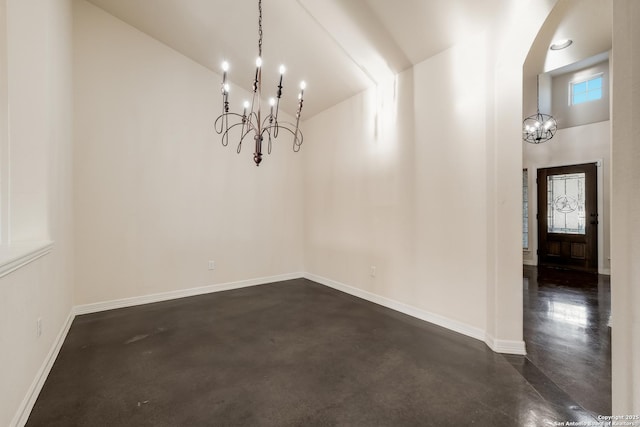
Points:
(533, 207)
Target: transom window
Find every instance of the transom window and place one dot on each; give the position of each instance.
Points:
(586, 90)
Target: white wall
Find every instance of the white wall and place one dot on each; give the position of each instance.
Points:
(575, 145)
(40, 157)
(157, 196)
(513, 35)
(396, 182)
(625, 208)
(428, 190)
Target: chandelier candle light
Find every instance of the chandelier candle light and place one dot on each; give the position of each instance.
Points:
(539, 127)
(252, 121)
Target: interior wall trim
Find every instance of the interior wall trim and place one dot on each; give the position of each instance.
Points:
(506, 346)
(410, 310)
(498, 346)
(19, 254)
(24, 410)
(181, 293)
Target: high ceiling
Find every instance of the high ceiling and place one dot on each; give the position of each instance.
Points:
(587, 22)
(339, 47)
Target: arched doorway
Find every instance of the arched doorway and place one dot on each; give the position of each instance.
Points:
(566, 314)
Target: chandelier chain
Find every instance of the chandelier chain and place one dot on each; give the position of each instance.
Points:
(260, 28)
(538, 92)
(539, 127)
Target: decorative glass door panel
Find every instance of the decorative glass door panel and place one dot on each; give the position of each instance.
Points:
(568, 217)
(566, 203)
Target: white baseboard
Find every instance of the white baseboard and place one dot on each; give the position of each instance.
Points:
(499, 346)
(506, 346)
(530, 262)
(24, 410)
(182, 293)
(418, 313)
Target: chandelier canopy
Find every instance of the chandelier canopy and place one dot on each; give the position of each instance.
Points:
(538, 127)
(253, 121)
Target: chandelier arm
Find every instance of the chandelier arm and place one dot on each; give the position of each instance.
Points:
(253, 116)
(225, 137)
(278, 101)
(295, 131)
(269, 122)
(224, 124)
(273, 123)
(242, 137)
(225, 132)
(224, 128)
(221, 118)
(267, 130)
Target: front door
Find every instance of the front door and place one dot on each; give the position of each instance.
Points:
(568, 217)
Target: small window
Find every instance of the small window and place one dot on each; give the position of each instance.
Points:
(586, 90)
(525, 209)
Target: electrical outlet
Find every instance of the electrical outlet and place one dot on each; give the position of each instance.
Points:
(372, 271)
(39, 327)
(212, 265)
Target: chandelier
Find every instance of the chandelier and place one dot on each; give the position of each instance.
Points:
(253, 121)
(539, 127)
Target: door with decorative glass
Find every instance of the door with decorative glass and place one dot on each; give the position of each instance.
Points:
(568, 217)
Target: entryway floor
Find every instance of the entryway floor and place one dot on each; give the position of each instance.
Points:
(566, 318)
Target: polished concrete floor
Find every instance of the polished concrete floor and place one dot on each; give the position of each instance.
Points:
(566, 316)
(292, 353)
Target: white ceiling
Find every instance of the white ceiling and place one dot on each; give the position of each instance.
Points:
(587, 22)
(339, 47)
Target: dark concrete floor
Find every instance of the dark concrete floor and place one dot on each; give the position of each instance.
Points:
(286, 354)
(566, 317)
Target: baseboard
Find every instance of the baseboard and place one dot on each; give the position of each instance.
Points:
(24, 410)
(506, 346)
(499, 346)
(530, 262)
(182, 293)
(418, 313)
